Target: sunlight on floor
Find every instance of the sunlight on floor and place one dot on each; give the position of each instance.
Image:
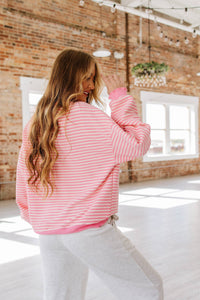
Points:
(193, 181)
(12, 251)
(161, 203)
(28, 233)
(13, 224)
(149, 191)
(123, 197)
(155, 197)
(187, 194)
(125, 229)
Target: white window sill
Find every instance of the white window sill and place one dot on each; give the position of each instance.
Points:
(169, 157)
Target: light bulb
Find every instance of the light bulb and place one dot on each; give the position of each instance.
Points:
(166, 39)
(149, 11)
(186, 11)
(194, 34)
(118, 55)
(177, 43)
(186, 40)
(81, 3)
(113, 8)
(161, 34)
(158, 27)
(170, 42)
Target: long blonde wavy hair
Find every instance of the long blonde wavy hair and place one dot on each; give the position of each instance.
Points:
(70, 68)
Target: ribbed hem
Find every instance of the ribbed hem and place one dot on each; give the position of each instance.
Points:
(74, 229)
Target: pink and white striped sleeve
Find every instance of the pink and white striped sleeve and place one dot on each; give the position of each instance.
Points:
(21, 186)
(130, 136)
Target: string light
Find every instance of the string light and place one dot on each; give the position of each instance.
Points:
(149, 11)
(170, 41)
(81, 3)
(161, 8)
(186, 11)
(194, 34)
(113, 8)
(166, 39)
(158, 27)
(177, 8)
(186, 41)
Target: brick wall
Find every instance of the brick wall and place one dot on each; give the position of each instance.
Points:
(32, 33)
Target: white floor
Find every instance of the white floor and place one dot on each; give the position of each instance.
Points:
(162, 218)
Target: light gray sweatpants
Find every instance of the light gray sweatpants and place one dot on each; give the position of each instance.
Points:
(67, 257)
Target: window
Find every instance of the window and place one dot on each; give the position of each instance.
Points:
(174, 125)
(32, 91)
(105, 99)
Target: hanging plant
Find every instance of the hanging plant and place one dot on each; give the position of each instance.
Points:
(150, 69)
(149, 74)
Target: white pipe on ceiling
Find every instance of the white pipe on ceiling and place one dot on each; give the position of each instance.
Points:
(146, 16)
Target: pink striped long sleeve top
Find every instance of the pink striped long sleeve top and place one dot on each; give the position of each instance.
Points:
(86, 173)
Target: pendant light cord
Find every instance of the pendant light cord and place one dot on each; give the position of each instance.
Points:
(149, 46)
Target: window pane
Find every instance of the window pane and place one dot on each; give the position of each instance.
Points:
(157, 142)
(33, 100)
(105, 98)
(179, 142)
(179, 117)
(155, 116)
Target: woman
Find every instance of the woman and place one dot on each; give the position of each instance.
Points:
(67, 183)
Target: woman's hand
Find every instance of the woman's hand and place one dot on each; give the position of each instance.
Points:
(113, 82)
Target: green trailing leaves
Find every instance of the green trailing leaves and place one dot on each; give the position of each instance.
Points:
(149, 69)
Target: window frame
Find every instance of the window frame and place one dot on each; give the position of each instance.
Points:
(167, 100)
(30, 85)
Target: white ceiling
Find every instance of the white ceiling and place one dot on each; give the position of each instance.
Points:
(165, 7)
(169, 12)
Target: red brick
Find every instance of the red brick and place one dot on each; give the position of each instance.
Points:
(32, 35)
